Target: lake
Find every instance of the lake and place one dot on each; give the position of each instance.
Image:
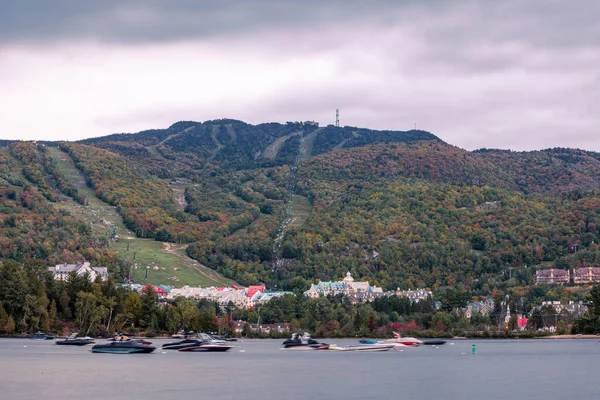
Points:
(258, 369)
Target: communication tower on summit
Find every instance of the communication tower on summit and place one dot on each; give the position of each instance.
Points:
(337, 117)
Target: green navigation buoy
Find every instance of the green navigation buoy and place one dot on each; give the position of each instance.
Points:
(474, 349)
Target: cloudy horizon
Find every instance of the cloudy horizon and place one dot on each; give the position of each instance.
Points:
(520, 75)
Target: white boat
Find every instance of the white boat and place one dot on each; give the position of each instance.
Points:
(209, 340)
(363, 347)
(400, 341)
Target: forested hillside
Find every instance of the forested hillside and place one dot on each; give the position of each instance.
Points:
(31, 227)
(401, 209)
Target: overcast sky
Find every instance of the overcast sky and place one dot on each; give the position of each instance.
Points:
(522, 74)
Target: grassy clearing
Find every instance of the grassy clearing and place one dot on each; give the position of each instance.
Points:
(154, 152)
(167, 263)
(273, 149)
(307, 142)
(300, 210)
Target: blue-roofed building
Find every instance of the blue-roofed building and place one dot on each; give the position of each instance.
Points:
(345, 286)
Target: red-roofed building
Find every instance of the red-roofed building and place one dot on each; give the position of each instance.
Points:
(522, 322)
(252, 290)
(161, 293)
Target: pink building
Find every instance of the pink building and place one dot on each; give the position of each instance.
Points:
(586, 275)
(553, 276)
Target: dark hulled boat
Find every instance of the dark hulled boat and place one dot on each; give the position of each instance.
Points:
(73, 340)
(433, 342)
(122, 347)
(41, 336)
(120, 338)
(203, 348)
(304, 342)
(225, 338)
(181, 344)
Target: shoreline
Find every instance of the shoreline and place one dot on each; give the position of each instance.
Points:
(571, 337)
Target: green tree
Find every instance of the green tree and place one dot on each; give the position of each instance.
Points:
(149, 306)
(3, 318)
(133, 308)
(594, 300)
(14, 288)
(87, 311)
(52, 314)
(174, 319)
(64, 301)
(10, 325)
(442, 320)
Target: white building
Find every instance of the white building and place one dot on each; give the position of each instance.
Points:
(345, 286)
(415, 295)
(241, 297)
(62, 272)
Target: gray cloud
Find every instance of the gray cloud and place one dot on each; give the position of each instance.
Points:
(518, 74)
(126, 21)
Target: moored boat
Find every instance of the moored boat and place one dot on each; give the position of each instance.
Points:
(120, 338)
(400, 341)
(122, 347)
(363, 347)
(433, 342)
(225, 338)
(182, 334)
(368, 341)
(41, 336)
(303, 342)
(181, 344)
(209, 339)
(73, 340)
(203, 348)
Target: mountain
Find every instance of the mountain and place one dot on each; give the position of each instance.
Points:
(235, 144)
(290, 203)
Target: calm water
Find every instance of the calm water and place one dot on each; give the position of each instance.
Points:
(257, 369)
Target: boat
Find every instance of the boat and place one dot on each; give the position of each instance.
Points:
(182, 334)
(363, 347)
(120, 338)
(41, 336)
(73, 340)
(368, 341)
(303, 342)
(224, 337)
(206, 348)
(433, 342)
(122, 347)
(181, 344)
(400, 341)
(209, 339)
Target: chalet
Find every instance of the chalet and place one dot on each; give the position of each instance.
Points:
(553, 276)
(586, 275)
(62, 272)
(573, 309)
(481, 307)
